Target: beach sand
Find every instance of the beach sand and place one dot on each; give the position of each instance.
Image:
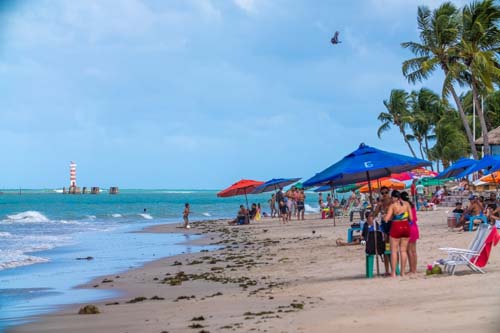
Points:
(269, 277)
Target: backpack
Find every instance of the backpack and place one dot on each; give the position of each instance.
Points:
(370, 243)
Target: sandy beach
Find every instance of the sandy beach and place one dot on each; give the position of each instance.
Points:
(270, 277)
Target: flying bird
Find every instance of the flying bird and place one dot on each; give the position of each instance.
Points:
(335, 39)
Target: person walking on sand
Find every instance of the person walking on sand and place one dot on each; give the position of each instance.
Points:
(185, 216)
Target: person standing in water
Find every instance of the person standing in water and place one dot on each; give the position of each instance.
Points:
(185, 216)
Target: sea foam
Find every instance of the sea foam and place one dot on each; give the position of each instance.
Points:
(309, 209)
(146, 216)
(29, 216)
(15, 258)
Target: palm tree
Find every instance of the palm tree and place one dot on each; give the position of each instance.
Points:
(439, 34)
(397, 107)
(451, 143)
(478, 49)
(426, 109)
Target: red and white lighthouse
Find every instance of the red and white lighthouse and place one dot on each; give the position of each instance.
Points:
(72, 174)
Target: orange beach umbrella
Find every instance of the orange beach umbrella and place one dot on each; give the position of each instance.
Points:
(387, 182)
(492, 178)
(242, 187)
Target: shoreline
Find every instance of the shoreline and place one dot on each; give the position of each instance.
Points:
(274, 277)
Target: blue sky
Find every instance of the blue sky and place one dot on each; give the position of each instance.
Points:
(194, 93)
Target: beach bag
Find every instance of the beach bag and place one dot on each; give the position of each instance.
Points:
(370, 243)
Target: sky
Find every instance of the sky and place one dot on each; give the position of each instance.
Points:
(195, 93)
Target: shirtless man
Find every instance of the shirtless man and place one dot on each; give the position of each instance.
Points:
(475, 208)
(301, 198)
(382, 208)
(290, 195)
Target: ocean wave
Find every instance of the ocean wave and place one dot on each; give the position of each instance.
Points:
(206, 214)
(42, 242)
(5, 234)
(16, 258)
(69, 222)
(146, 216)
(309, 209)
(91, 217)
(29, 216)
(116, 215)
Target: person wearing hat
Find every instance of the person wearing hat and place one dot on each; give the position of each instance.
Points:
(474, 209)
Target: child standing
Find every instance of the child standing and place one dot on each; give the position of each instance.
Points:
(258, 214)
(185, 216)
(284, 211)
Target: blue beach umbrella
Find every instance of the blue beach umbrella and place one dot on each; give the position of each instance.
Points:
(324, 188)
(489, 163)
(274, 184)
(456, 168)
(364, 164)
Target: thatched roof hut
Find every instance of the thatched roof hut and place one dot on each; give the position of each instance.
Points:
(493, 137)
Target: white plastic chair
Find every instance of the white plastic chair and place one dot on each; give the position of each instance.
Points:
(458, 257)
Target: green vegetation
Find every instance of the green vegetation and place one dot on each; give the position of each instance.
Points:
(463, 44)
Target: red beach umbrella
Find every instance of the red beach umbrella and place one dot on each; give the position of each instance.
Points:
(242, 187)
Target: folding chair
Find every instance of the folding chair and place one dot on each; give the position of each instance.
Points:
(466, 257)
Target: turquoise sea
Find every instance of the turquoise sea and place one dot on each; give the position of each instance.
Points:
(43, 232)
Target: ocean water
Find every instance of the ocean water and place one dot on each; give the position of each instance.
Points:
(43, 232)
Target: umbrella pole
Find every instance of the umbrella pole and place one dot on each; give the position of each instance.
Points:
(246, 198)
(374, 224)
(495, 182)
(333, 193)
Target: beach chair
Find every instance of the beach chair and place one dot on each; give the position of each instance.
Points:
(466, 257)
(483, 219)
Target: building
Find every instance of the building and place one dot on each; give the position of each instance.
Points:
(494, 141)
(73, 188)
(72, 174)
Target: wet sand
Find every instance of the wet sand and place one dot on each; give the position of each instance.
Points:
(270, 277)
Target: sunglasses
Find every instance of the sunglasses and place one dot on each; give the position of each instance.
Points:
(385, 192)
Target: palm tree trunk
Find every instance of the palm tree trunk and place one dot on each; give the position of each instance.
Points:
(420, 148)
(407, 142)
(482, 121)
(465, 123)
(426, 141)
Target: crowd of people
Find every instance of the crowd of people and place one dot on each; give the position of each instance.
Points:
(478, 206)
(289, 204)
(393, 217)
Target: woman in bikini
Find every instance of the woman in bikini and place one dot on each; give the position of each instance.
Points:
(399, 214)
(414, 235)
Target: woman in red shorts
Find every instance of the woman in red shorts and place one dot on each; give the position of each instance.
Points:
(399, 213)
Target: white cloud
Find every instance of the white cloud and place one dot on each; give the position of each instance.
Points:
(256, 6)
(388, 8)
(207, 9)
(246, 5)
